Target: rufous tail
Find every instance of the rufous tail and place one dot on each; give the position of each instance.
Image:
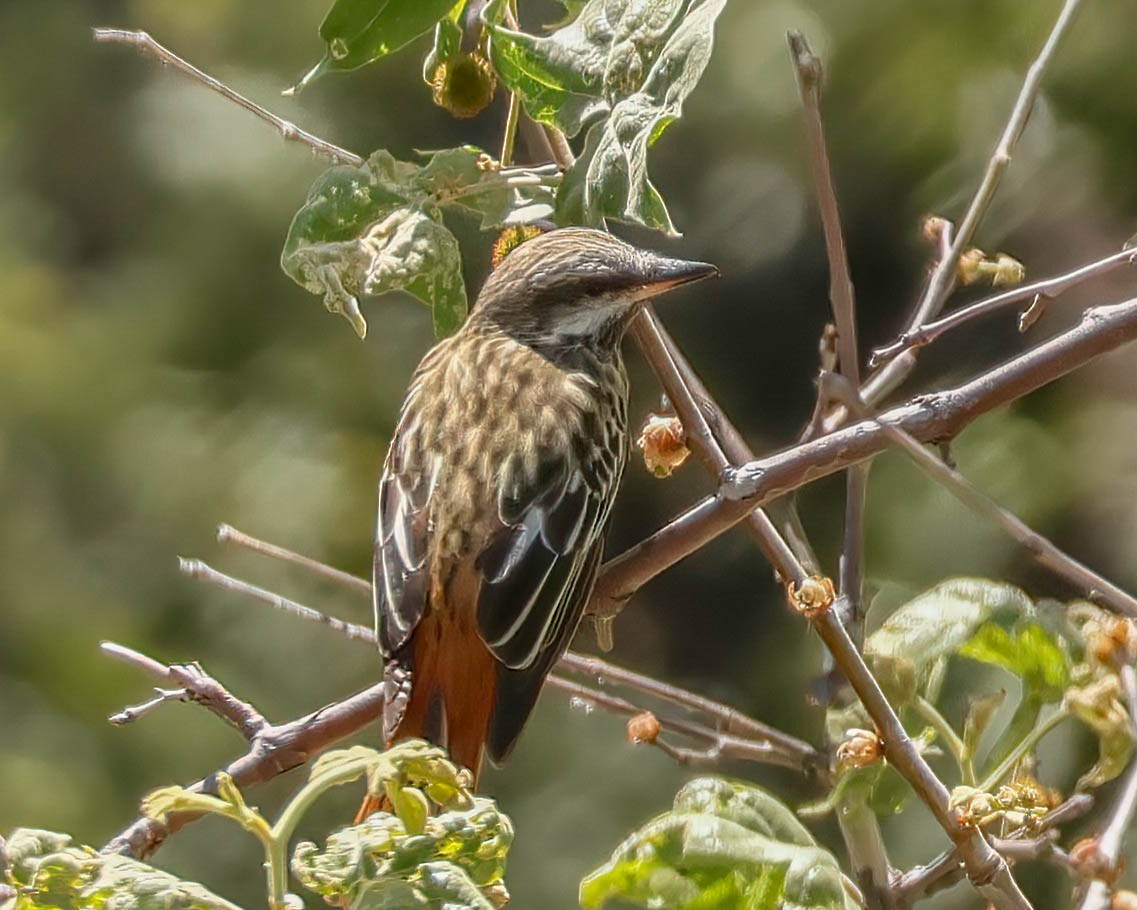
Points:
(452, 696)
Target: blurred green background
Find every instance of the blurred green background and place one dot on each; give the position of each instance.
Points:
(159, 374)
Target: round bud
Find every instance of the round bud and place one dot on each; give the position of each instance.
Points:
(464, 84)
(643, 728)
(664, 444)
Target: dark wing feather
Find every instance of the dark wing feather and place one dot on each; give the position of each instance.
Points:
(400, 574)
(517, 690)
(551, 520)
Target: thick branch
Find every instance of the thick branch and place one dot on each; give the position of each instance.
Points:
(931, 418)
(273, 751)
(1092, 585)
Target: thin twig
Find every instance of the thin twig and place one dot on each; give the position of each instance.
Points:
(931, 418)
(730, 724)
(1048, 288)
(945, 870)
(723, 718)
(717, 746)
(942, 279)
(227, 534)
(696, 410)
(810, 75)
(1093, 586)
(736, 727)
(194, 685)
(842, 300)
(288, 131)
(195, 568)
(1124, 810)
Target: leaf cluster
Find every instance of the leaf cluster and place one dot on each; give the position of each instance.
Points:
(724, 844)
(618, 73)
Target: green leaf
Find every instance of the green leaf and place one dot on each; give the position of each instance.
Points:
(378, 227)
(724, 845)
(560, 77)
(359, 863)
(358, 32)
(624, 66)
(1031, 653)
(610, 179)
(447, 42)
(937, 623)
(746, 804)
(54, 873)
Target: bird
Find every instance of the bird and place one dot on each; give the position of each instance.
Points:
(497, 489)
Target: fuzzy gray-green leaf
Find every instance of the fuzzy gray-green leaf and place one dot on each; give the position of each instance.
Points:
(55, 873)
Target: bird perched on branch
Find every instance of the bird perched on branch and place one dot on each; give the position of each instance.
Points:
(498, 485)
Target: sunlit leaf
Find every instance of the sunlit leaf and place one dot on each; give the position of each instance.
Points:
(1030, 652)
(623, 67)
(724, 845)
(358, 32)
(55, 873)
(938, 622)
(378, 227)
(359, 864)
(610, 179)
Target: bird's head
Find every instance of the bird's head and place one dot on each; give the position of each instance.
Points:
(575, 285)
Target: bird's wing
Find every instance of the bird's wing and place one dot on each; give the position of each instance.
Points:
(517, 690)
(552, 519)
(400, 575)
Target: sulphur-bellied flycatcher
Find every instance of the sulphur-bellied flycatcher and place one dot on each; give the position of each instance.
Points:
(498, 484)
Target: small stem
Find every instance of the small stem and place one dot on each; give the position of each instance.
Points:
(946, 732)
(942, 280)
(276, 845)
(195, 568)
(1032, 739)
(1047, 287)
(227, 534)
(510, 137)
(288, 131)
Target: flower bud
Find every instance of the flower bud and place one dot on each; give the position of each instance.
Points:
(860, 749)
(664, 444)
(643, 728)
(1089, 861)
(464, 84)
(815, 594)
(509, 240)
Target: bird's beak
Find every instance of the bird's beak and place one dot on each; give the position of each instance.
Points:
(665, 274)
